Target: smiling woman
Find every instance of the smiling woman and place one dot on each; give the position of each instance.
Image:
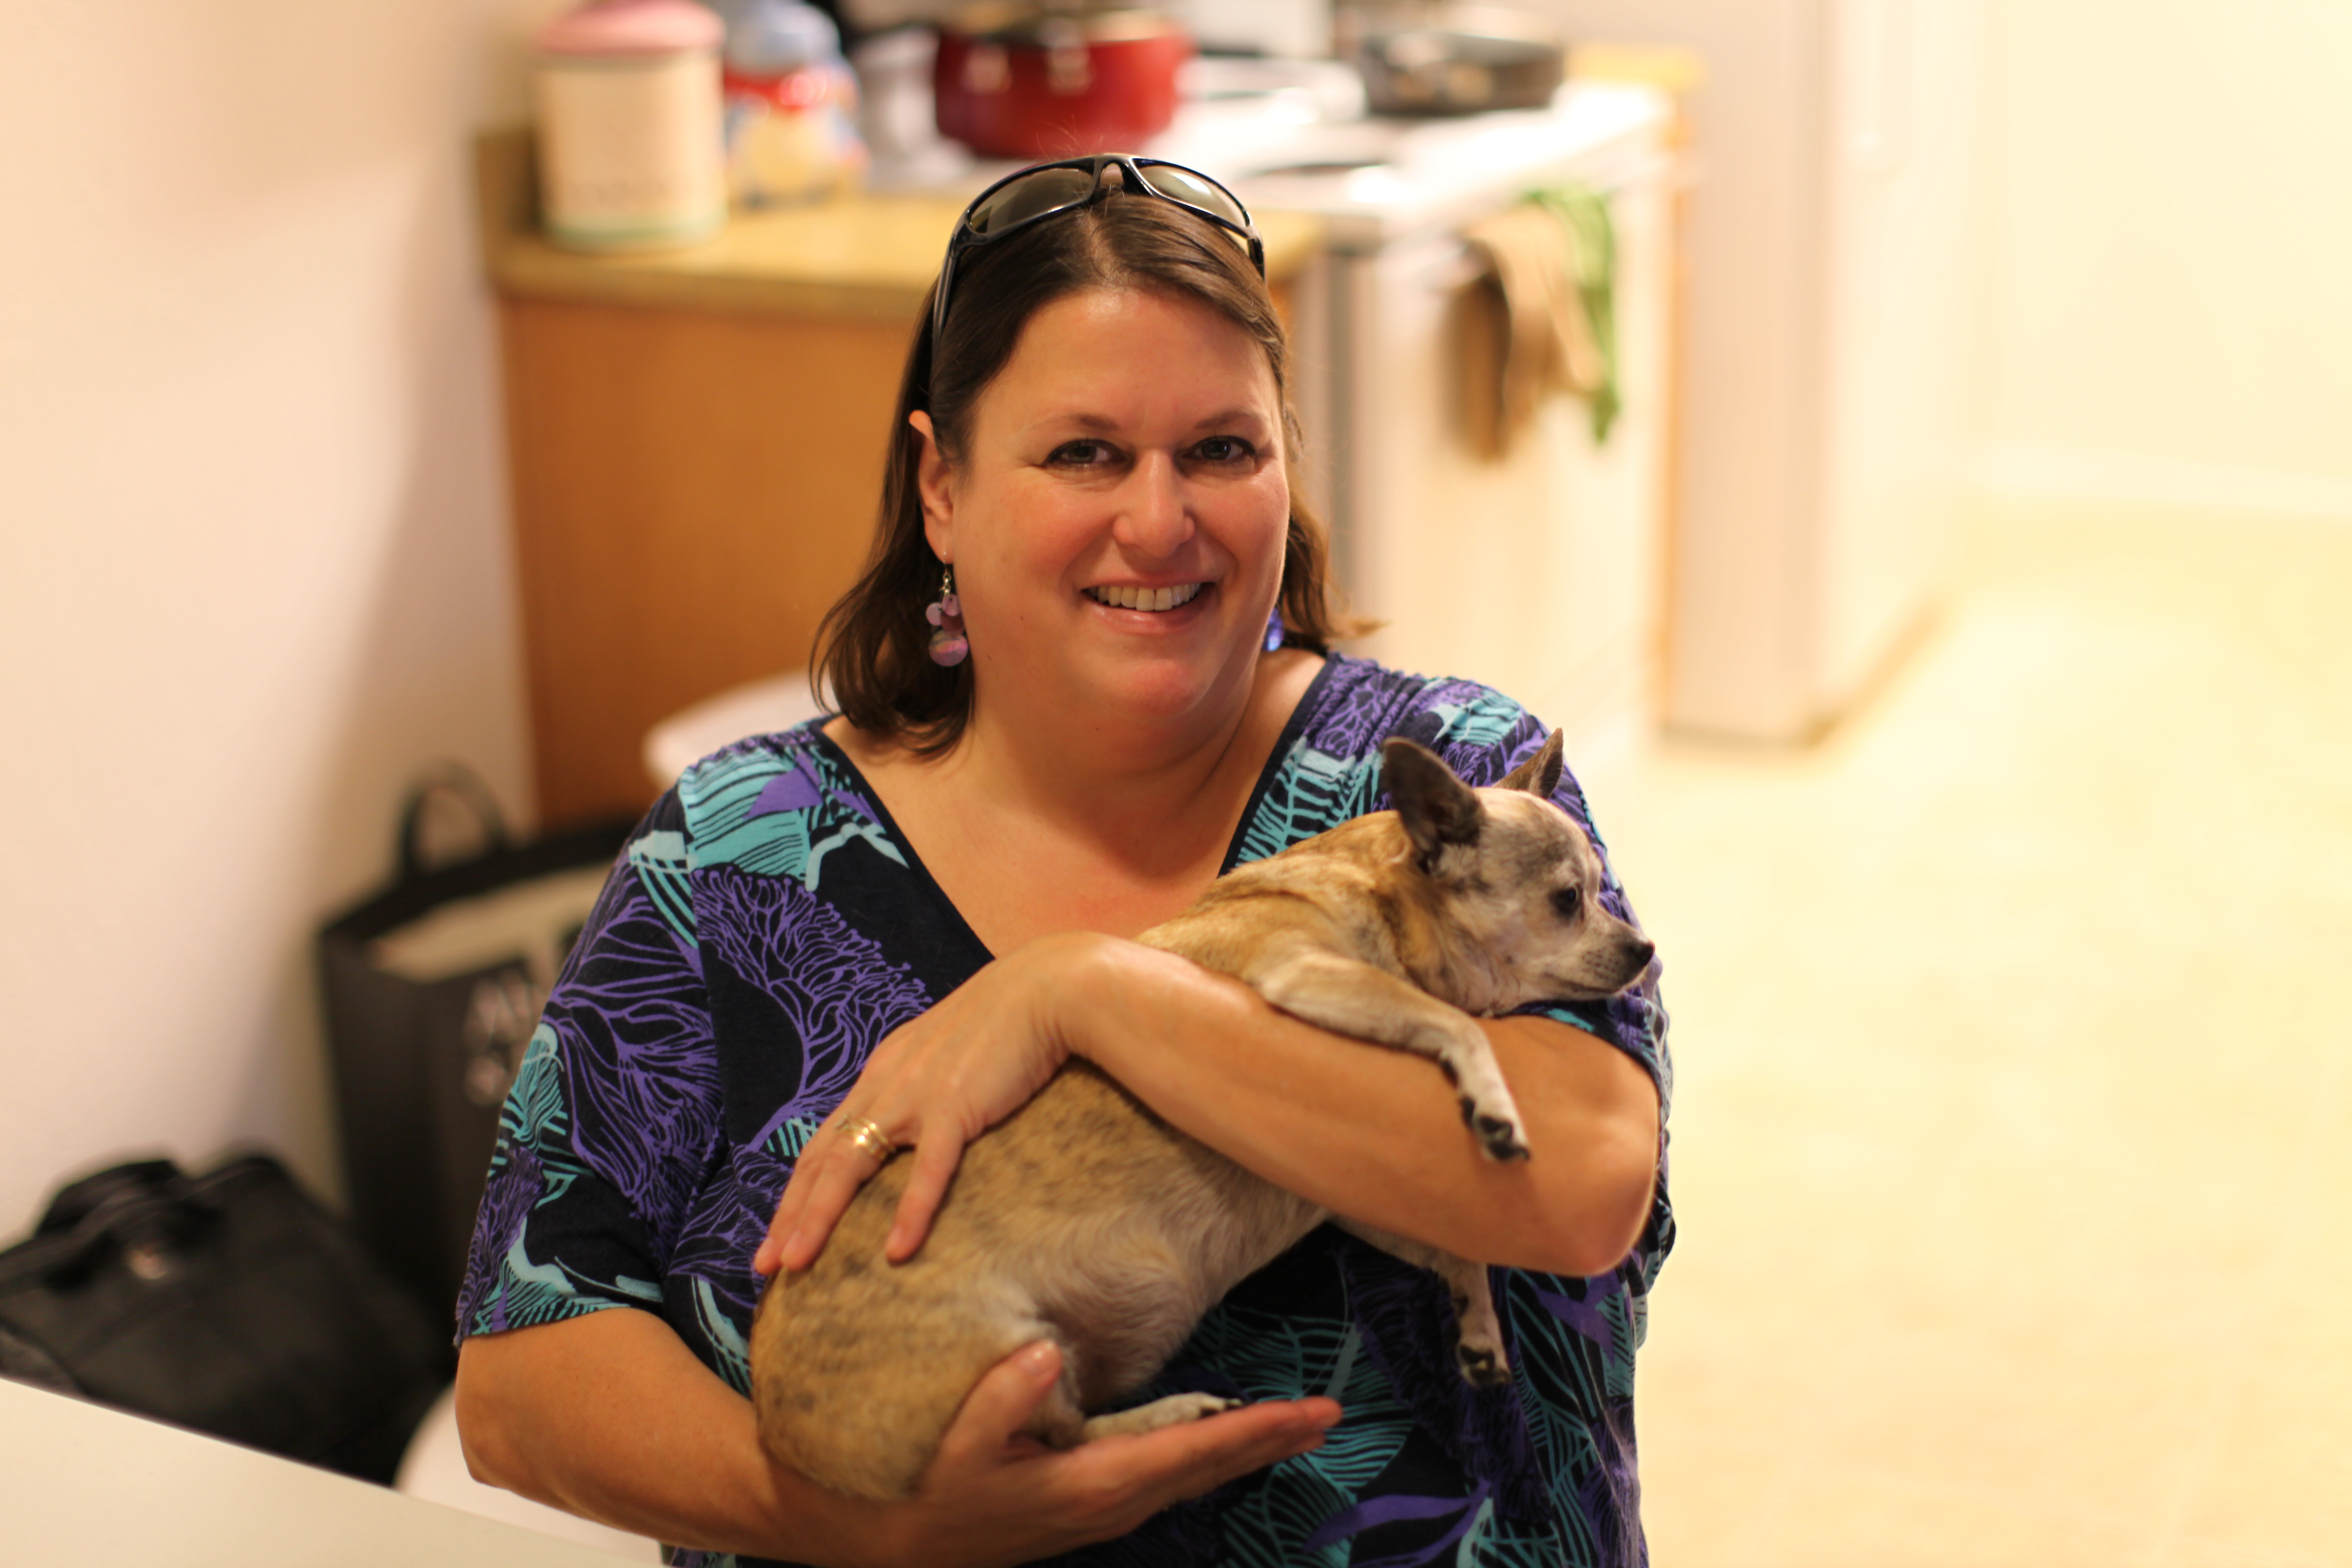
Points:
(1115, 538)
(1074, 277)
(877, 934)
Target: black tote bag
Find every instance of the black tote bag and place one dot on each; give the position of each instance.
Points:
(433, 988)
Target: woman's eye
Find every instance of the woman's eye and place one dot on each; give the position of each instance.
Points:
(1081, 453)
(1566, 900)
(1224, 449)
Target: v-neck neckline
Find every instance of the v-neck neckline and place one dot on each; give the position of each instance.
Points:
(1284, 744)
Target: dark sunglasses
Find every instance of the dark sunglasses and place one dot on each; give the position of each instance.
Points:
(1034, 194)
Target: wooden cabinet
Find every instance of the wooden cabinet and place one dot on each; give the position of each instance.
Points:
(696, 444)
(692, 491)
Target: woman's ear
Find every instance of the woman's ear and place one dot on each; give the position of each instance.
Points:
(931, 480)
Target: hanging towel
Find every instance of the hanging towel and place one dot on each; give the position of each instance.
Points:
(1541, 316)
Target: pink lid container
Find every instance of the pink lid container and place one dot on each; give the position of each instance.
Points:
(633, 27)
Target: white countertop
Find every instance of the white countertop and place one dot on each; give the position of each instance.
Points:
(80, 1483)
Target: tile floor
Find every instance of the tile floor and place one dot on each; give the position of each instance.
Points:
(2013, 1133)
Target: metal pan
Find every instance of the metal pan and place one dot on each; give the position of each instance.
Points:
(1458, 60)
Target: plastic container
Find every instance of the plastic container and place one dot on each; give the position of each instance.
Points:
(791, 136)
(631, 150)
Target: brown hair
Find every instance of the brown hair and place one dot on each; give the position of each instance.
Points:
(872, 649)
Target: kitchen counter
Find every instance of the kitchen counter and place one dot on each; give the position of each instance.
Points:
(865, 257)
(82, 1483)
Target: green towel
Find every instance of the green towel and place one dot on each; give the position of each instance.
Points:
(1585, 214)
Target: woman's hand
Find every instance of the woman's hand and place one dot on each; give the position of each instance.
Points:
(612, 1417)
(995, 1495)
(934, 1085)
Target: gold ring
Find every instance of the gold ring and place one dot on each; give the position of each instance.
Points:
(867, 1138)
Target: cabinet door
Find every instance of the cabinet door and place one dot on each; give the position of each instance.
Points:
(692, 491)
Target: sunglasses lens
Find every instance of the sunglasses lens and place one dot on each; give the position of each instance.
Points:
(1060, 187)
(1193, 190)
(1033, 195)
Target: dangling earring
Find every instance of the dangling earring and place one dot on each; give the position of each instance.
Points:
(1274, 629)
(949, 644)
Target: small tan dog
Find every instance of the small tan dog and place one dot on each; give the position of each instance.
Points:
(1085, 1219)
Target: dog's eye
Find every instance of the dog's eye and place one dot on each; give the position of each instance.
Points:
(1566, 900)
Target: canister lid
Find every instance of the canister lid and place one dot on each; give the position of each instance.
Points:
(632, 27)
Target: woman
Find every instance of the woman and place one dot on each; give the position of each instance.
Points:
(883, 932)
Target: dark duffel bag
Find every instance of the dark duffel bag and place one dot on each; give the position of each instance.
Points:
(229, 1302)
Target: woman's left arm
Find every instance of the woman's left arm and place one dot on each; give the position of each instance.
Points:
(1362, 1130)
(1373, 1133)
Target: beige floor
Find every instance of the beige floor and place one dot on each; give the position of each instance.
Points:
(2013, 1134)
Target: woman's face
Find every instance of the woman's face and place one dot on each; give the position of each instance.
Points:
(1117, 518)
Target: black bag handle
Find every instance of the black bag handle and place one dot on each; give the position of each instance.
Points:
(145, 1203)
(78, 1200)
(459, 783)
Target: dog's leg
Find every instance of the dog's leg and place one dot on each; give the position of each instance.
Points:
(1352, 997)
(1479, 1332)
(1061, 1423)
(1172, 1411)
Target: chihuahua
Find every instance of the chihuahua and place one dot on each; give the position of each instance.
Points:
(1085, 1219)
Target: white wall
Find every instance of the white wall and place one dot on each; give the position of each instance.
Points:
(2168, 220)
(256, 568)
(2172, 233)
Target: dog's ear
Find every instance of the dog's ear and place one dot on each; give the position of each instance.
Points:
(1438, 808)
(1539, 774)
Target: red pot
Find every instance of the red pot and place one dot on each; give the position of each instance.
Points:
(1016, 83)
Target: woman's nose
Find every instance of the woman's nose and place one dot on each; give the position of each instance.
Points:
(1153, 517)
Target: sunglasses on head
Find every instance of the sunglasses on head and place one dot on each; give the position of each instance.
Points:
(1034, 194)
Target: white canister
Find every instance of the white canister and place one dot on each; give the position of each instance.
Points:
(631, 144)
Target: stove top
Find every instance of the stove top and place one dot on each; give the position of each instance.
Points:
(1373, 178)
(1292, 135)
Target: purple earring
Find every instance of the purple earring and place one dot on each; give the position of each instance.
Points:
(949, 644)
(1274, 629)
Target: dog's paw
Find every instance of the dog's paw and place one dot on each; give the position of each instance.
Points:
(1179, 1408)
(1501, 1140)
(1497, 1136)
(1172, 1411)
(1482, 1366)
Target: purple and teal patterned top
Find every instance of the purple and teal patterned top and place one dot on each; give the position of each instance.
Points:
(768, 926)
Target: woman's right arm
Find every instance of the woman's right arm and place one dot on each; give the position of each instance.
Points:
(610, 1416)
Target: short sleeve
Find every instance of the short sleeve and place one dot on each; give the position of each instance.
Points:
(614, 1115)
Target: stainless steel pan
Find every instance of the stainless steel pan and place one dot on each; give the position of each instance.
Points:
(1458, 60)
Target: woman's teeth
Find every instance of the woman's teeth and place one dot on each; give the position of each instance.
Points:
(1144, 598)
